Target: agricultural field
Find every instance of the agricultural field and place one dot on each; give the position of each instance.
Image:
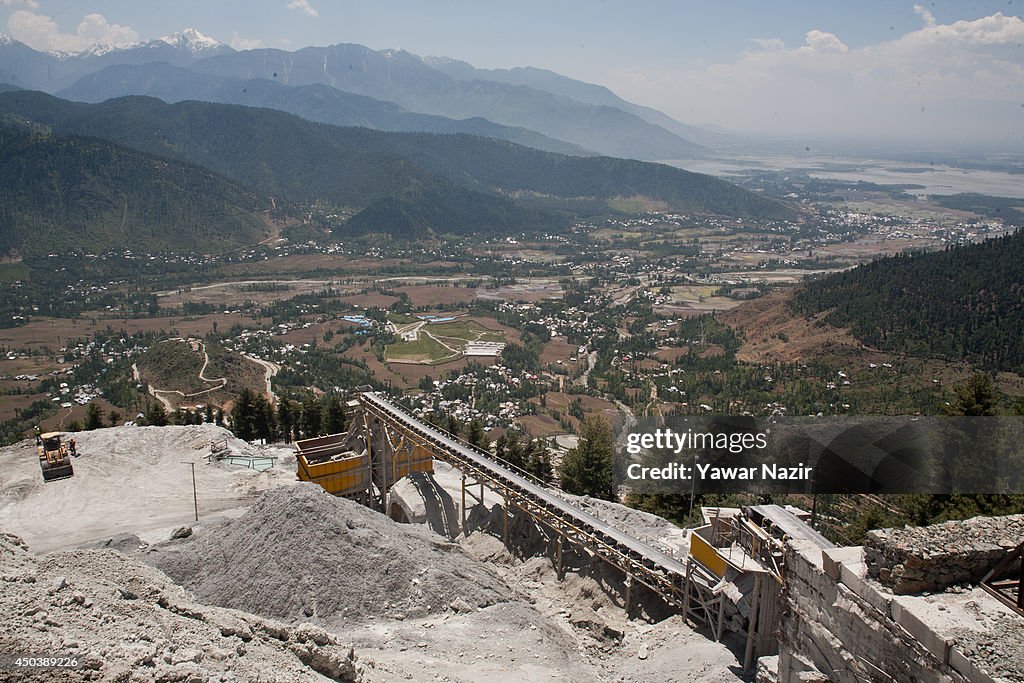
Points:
(432, 342)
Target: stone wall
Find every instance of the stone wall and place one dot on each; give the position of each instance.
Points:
(828, 628)
(913, 560)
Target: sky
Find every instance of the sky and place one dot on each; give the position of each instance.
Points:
(874, 70)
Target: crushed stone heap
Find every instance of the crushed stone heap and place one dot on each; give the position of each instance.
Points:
(125, 621)
(931, 558)
(302, 553)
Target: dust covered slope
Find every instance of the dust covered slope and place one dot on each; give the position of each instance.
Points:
(301, 553)
(129, 480)
(125, 621)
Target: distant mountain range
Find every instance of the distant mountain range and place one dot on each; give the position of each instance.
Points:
(529, 106)
(316, 102)
(427, 183)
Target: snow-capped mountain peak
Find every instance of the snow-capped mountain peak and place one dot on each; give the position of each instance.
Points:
(193, 41)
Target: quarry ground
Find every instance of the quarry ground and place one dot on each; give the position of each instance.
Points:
(281, 590)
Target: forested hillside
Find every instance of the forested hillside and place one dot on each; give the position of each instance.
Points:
(59, 192)
(284, 155)
(962, 303)
(453, 211)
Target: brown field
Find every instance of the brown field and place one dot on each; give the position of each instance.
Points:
(9, 405)
(411, 374)
(530, 292)
(668, 354)
(314, 333)
(763, 319)
(559, 401)
(435, 295)
(233, 293)
(28, 365)
(57, 332)
(307, 263)
(371, 299)
(66, 416)
(558, 349)
(540, 426)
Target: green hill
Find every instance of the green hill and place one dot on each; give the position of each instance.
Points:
(65, 192)
(289, 157)
(962, 303)
(448, 210)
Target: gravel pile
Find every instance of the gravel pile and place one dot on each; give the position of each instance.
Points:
(999, 651)
(121, 620)
(301, 553)
(931, 558)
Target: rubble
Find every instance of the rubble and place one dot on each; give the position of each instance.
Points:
(121, 620)
(932, 558)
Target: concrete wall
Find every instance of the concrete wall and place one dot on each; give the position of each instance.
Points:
(836, 624)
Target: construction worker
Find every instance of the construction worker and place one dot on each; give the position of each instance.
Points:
(73, 448)
(39, 436)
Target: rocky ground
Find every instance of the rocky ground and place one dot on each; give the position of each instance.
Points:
(328, 588)
(120, 620)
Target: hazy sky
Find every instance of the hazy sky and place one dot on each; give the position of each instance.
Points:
(866, 69)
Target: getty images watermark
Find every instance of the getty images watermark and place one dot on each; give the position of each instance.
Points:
(677, 443)
(901, 454)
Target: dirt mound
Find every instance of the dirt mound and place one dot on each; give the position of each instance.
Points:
(301, 553)
(121, 620)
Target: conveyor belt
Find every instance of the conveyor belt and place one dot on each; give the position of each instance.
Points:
(652, 567)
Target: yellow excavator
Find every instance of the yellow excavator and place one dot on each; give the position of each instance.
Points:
(54, 458)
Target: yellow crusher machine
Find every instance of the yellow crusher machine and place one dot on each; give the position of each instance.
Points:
(364, 462)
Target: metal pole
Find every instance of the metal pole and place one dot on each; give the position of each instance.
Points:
(558, 566)
(1020, 584)
(195, 495)
(752, 625)
(693, 486)
(464, 506)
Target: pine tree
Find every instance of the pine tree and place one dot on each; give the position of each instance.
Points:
(264, 421)
(155, 414)
(587, 468)
(501, 447)
(312, 418)
(538, 462)
(975, 398)
(476, 435)
(514, 452)
(243, 416)
(334, 415)
(286, 418)
(93, 416)
(453, 427)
